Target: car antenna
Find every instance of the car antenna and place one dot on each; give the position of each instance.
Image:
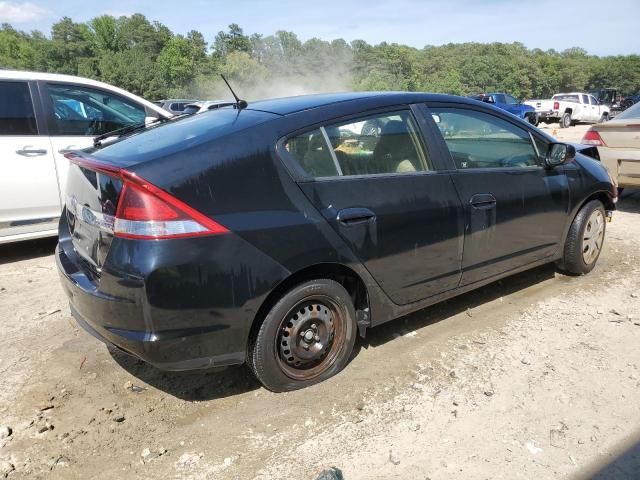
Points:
(240, 104)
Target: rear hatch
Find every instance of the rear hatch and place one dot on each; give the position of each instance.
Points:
(98, 179)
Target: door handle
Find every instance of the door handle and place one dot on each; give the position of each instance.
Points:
(483, 201)
(31, 152)
(355, 216)
(68, 148)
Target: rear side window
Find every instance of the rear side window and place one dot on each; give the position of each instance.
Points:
(81, 111)
(373, 145)
(585, 99)
(479, 140)
(16, 109)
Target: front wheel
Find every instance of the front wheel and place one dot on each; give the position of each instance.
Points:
(533, 119)
(307, 337)
(604, 118)
(585, 239)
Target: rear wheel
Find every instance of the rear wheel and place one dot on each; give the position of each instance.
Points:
(565, 121)
(585, 239)
(307, 337)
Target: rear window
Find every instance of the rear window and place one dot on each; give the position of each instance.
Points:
(16, 109)
(567, 98)
(183, 134)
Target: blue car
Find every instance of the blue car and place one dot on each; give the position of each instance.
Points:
(510, 104)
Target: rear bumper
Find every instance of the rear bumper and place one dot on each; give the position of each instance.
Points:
(176, 304)
(548, 115)
(173, 349)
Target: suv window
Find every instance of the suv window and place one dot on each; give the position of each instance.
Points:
(373, 145)
(593, 101)
(16, 109)
(479, 140)
(80, 111)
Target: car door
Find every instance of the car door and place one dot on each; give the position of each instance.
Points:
(515, 207)
(512, 105)
(383, 193)
(29, 199)
(77, 113)
(596, 109)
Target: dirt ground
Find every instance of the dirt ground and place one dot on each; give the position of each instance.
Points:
(536, 376)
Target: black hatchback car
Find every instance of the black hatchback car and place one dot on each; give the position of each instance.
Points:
(273, 234)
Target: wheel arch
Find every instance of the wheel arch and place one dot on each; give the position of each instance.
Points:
(345, 276)
(601, 195)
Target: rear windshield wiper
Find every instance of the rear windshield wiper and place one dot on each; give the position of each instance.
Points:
(121, 132)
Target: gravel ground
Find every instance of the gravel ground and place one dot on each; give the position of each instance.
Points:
(536, 376)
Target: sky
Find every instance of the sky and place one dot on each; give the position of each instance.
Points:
(600, 27)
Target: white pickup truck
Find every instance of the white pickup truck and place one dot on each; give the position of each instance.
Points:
(570, 108)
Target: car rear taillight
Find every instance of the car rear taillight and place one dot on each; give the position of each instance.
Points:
(556, 105)
(145, 211)
(592, 137)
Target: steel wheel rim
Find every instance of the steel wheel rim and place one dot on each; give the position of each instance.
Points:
(592, 237)
(303, 351)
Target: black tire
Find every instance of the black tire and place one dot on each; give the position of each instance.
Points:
(282, 356)
(604, 118)
(533, 119)
(565, 120)
(579, 256)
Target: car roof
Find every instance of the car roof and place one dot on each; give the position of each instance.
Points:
(288, 105)
(56, 77)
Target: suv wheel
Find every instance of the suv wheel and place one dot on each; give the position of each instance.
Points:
(565, 121)
(307, 337)
(585, 239)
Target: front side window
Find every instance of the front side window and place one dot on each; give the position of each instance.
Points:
(16, 109)
(593, 101)
(80, 111)
(381, 144)
(480, 140)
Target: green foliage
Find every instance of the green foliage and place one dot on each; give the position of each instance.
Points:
(146, 58)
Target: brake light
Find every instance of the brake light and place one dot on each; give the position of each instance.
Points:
(592, 137)
(148, 212)
(556, 105)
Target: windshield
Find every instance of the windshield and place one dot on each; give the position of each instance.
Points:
(630, 113)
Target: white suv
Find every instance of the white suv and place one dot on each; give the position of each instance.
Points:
(41, 117)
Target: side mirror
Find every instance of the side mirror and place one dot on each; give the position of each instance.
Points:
(559, 154)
